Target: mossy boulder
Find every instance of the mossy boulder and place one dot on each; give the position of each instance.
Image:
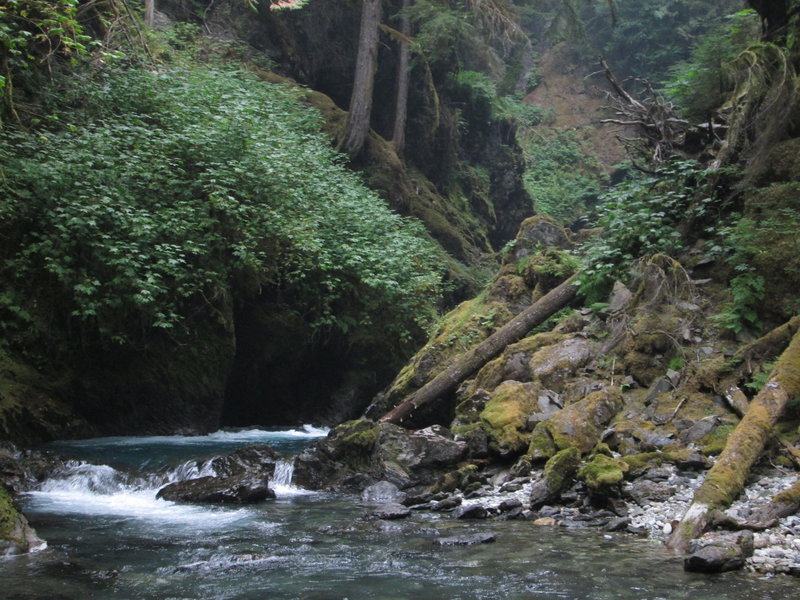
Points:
(578, 425)
(505, 417)
(352, 441)
(16, 535)
(558, 475)
(602, 472)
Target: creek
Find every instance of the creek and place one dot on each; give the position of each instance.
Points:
(110, 538)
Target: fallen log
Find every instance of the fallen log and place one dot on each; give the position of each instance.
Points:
(725, 481)
(513, 331)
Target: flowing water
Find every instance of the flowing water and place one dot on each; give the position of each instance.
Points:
(110, 538)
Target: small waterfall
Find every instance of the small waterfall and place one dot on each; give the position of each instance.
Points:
(281, 482)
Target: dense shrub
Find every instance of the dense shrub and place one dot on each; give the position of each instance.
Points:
(147, 196)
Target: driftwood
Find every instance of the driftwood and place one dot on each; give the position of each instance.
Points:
(725, 481)
(511, 332)
(663, 133)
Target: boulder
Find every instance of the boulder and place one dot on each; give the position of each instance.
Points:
(391, 512)
(238, 489)
(719, 552)
(558, 475)
(552, 365)
(383, 492)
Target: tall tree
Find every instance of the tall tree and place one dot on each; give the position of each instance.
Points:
(403, 79)
(358, 117)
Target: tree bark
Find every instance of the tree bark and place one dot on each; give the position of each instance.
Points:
(511, 332)
(725, 481)
(403, 77)
(149, 12)
(358, 117)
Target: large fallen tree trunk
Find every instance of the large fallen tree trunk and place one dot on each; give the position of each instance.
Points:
(725, 481)
(511, 332)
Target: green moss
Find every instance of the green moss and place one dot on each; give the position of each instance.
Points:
(561, 468)
(505, 417)
(602, 472)
(789, 496)
(714, 443)
(580, 425)
(353, 438)
(541, 446)
(9, 517)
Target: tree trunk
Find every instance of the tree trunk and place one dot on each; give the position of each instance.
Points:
(149, 12)
(358, 117)
(511, 332)
(403, 76)
(725, 481)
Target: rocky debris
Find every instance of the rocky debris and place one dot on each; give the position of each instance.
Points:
(391, 512)
(718, 552)
(384, 492)
(238, 489)
(466, 540)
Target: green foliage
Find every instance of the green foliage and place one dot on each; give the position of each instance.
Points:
(169, 188)
(32, 33)
(562, 176)
(704, 81)
(639, 218)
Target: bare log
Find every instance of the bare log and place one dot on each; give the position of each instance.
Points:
(511, 332)
(725, 481)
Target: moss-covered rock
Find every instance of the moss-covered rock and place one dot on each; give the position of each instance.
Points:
(602, 472)
(16, 535)
(554, 365)
(505, 417)
(580, 425)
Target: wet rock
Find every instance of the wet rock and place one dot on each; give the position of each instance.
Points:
(509, 504)
(515, 513)
(643, 491)
(617, 524)
(471, 511)
(259, 459)
(391, 512)
(719, 552)
(384, 492)
(241, 489)
(466, 540)
(447, 504)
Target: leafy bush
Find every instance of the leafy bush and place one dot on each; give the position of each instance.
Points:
(562, 176)
(639, 218)
(169, 189)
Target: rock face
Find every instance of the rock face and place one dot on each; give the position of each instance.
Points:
(716, 552)
(16, 535)
(238, 489)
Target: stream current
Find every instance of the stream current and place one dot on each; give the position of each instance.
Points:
(110, 538)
